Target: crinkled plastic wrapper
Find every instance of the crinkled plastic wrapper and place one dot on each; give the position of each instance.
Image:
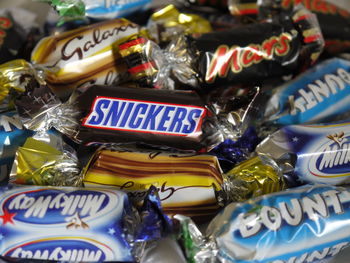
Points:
(308, 223)
(40, 163)
(168, 23)
(243, 54)
(77, 224)
(85, 56)
(187, 183)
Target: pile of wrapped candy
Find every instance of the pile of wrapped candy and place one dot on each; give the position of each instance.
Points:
(123, 124)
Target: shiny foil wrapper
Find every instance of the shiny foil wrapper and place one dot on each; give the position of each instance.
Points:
(85, 56)
(154, 67)
(187, 183)
(248, 54)
(14, 76)
(252, 178)
(38, 163)
(168, 23)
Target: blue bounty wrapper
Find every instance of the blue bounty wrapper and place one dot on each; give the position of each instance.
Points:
(320, 94)
(305, 224)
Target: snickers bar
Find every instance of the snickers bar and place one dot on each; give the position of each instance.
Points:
(106, 114)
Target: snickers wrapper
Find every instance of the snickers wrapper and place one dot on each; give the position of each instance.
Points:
(158, 117)
(112, 114)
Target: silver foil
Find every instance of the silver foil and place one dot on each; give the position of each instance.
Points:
(175, 61)
(57, 169)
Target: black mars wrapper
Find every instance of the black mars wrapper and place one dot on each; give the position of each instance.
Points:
(243, 55)
(113, 114)
(333, 19)
(217, 4)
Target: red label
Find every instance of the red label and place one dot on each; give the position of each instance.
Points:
(318, 6)
(5, 23)
(236, 58)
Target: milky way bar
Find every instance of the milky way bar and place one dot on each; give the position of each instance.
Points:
(66, 224)
(187, 183)
(159, 117)
(84, 56)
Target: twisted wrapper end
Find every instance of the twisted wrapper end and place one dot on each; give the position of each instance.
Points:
(178, 61)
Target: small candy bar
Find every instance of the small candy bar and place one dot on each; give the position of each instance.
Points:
(112, 114)
(84, 56)
(71, 224)
(304, 224)
(247, 54)
(318, 95)
(187, 183)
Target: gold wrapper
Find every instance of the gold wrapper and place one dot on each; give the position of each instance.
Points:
(187, 183)
(39, 163)
(85, 56)
(134, 49)
(11, 80)
(175, 22)
(253, 178)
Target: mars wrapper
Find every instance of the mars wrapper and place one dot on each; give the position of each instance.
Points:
(333, 19)
(247, 54)
(303, 224)
(84, 56)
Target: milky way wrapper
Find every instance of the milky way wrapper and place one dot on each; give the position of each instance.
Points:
(313, 153)
(73, 224)
(304, 224)
(318, 95)
(84, 56)
(247, 54)
(187, 183)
